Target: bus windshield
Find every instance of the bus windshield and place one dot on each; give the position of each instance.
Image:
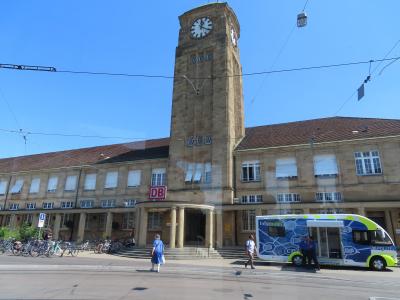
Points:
(380, 237)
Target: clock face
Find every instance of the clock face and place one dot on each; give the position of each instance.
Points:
(201, 27)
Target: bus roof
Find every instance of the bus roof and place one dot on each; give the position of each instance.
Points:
(371, 225)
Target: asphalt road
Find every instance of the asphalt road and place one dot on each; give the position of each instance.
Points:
(109, 278)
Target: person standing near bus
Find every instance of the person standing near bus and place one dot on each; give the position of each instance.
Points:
(304, 250)
(312, 252)
(250, 250)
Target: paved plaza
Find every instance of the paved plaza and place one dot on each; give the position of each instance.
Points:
(93, 276)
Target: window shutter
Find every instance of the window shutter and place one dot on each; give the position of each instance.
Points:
(3, 187)
(52, 184)
(111, 180)
(35, 185)
(198, 173)
(134, 178)
(325, 165)
(286, 167)
(17, 187)
(90, 182)
(189, 173)
(70, 183)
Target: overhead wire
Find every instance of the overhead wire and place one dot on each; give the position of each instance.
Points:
(66, 135)
(305, 68)
(379, 61)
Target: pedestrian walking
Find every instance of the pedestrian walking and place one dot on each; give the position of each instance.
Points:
(157, 254)
(250, 250)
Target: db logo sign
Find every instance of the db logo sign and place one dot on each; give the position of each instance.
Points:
(157, 192)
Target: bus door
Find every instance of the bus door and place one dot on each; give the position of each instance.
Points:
(328, 238)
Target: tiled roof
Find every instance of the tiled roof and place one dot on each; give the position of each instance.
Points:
(317, 131)
(86, 156)
(285, 134)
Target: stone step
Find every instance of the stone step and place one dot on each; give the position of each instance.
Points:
(181, 253)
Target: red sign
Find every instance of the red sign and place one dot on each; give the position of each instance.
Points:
(157, 192)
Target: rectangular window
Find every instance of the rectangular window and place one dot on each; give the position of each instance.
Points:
(107, 203)
(87, 203)
(325, 165)
(35, 186)
(286, 168)
(90, 182)
(328, 197)
(130, 203)
(101, 221)
(158, 177)
(3, 187)
(14, 206)
(67, 204)
(27, 219)
(251, 171)
(251, 199)
(154, 220)
(360, 237)
(48, 205)
(17, 187)
(189, 172)
(31, 205)
(368, 163)
(111, 180)
(207, 173)
(128, 220)
(330, 211)
(66, 220)
(70, 183)
(134, 178)
(288, 197)
(248, 220)
(52, 184)
(198, 172)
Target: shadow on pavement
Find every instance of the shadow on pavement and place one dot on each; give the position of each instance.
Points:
(289, 267)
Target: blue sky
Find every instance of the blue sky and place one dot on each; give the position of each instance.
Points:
(141, 36)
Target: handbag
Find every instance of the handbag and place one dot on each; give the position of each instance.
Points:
(163, 259)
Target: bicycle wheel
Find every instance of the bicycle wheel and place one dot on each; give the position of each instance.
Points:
(34, 252)
(74, 252)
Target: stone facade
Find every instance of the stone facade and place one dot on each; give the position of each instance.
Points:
(218, 175)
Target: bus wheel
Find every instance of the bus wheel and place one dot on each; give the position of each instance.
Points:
(377, 264)
(297, 260)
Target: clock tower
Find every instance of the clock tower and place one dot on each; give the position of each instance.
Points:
(207, 108)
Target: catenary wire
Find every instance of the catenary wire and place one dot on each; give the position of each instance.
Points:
(306, 68)
(67, 135)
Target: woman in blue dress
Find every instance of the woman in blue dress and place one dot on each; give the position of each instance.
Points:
(157, 253)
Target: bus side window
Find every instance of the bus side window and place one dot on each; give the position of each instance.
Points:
(276, 231)
(360, 237)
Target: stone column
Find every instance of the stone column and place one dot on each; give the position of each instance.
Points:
(258, 211)
(181, 227)
(388, 223)
(109, 221)
(56, 227)
(306, 210)
(396, 223)
(209, 240)
(361, 211)
(219, 228)
(13, 221)
(35, 220)
(81, 227)
(143, 227)
(172, 232)
(137, 224)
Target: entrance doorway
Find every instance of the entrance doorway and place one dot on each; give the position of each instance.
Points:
(328, 242)
(195, 227)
